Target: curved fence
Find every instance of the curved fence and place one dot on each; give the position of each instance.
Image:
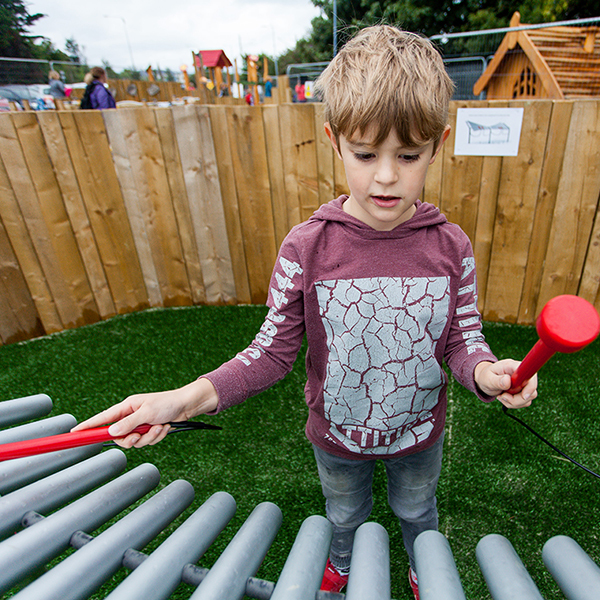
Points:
(107, 212)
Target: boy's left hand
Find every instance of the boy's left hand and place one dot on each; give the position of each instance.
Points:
(493, 379)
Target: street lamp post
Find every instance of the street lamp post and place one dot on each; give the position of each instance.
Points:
(126, 37)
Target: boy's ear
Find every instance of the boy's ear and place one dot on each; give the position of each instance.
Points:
(332, 138)
(444, 137)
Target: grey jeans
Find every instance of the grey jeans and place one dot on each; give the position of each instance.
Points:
(347, 487)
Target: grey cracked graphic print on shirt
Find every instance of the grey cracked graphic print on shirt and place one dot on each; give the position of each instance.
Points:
(382, 375)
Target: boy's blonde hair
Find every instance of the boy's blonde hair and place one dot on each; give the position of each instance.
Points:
(385, 79)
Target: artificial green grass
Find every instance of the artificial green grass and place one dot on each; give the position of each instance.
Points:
(497, 477)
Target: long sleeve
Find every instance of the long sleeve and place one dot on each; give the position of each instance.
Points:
(272, 353)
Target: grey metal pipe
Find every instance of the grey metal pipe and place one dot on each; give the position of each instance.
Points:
(31, 548)
(43, 428)
(242, 557)
(17, 473)
(159, 575)
(56, 490)
(504, 573)
(577, 575)
(436, 569)
(302, 573)
(24, 409)
(80, 574)
(370, 564)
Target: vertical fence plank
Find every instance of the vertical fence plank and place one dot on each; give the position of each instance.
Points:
(298, 144)
(19, 319)
(553, 164)
(187, 237)
(517, 197)
(121, 128)
(196, 148)
(486, 219)
(28, 222)
(247, 139)
(576, 204)
(69, 283)
(231, 206)
(59, 155)
(92, 159)
(276, 172)
(460, 184)
(20, 241)
(149, 204)
(589, 287)
(325, 152)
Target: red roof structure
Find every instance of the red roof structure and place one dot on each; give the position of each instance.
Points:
(214, 59)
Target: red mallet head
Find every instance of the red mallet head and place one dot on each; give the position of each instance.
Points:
(566, 324)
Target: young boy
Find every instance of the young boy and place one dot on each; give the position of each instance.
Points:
(384, 288)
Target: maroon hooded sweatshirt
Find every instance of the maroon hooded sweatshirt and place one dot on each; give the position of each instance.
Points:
(381, 311)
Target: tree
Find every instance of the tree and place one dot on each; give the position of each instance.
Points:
(15, 21)
(74, 52)
(429, 18)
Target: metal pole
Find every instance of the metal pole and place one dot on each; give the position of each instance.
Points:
(24, 409)
(302, 573)
(52, 492)
(26, 551)
(370, 564)
(43, 428)
(159, 575)
(576, 573)
(504, 573)
(15, 474)
(242, 557)
(334, 27)
(126, 37)
(79, 575)
(436, 569)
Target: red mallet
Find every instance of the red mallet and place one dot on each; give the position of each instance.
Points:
(62, 441)
(566, 324)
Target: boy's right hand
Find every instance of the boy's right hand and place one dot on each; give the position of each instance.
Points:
(155, 408)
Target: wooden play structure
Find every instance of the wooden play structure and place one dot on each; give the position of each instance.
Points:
(551, 62)
(214, 61)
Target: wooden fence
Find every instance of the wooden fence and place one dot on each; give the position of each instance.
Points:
(107, 212)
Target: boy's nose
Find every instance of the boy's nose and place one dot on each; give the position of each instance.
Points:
(386, 173)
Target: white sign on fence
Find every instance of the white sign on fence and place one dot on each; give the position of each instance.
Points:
(488, 131)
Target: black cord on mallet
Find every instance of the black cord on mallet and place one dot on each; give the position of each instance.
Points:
(530, 429)
(566, 324)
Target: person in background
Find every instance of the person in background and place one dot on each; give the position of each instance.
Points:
(268, 87)
(57, 87)
(100, 97)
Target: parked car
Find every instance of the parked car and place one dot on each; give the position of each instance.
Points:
(18, 93)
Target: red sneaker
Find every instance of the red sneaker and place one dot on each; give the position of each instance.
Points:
(412, 578)
(332, 580)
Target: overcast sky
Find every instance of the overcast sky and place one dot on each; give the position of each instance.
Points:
(164, 33)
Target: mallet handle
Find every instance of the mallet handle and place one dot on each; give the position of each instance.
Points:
(61, 441)
(567, 323)
(531, 364)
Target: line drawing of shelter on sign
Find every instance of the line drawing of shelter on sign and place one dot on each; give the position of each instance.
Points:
(488, 134)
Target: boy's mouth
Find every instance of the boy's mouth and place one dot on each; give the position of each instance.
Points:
(386, 201)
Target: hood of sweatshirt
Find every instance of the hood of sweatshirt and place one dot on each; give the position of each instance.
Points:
(425, 216)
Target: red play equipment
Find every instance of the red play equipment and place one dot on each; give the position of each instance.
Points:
(566, 324)
(98, 435)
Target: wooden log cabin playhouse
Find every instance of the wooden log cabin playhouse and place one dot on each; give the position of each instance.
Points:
(561, 62)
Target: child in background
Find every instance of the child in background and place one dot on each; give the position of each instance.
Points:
(384, 288)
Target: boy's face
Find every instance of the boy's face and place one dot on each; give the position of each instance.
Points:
(385, 181)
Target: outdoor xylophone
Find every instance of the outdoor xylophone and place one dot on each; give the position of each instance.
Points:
(81, 489)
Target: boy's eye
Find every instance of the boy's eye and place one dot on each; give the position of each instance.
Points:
(364, 156)
(410, 157)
